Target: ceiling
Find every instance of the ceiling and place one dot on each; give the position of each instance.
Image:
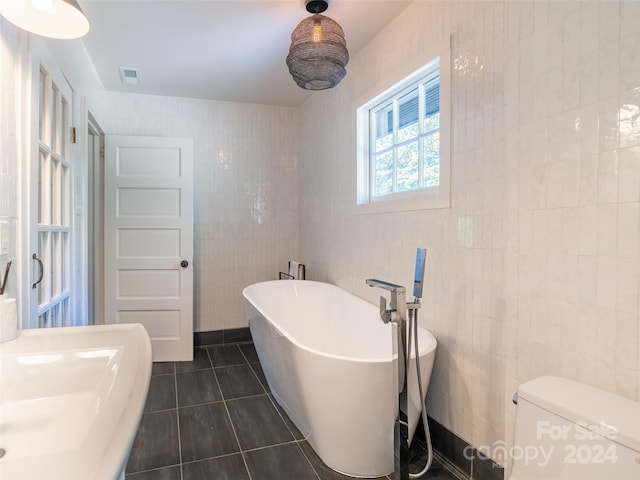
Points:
(230, 50)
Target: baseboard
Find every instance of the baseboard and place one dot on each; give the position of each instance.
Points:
(467, 461)
(222, 337)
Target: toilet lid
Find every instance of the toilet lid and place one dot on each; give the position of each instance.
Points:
(610, 415)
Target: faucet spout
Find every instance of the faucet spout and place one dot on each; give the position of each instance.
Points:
(392, 287)
(398, 311)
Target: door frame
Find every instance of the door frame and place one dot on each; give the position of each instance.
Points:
(95, 221)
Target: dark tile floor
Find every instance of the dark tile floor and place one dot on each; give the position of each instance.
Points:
(214, 418)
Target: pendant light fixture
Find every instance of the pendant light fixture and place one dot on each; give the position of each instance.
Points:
(63, 19)
(318, 53)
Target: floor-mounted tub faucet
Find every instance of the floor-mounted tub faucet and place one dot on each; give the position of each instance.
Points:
(397, 314)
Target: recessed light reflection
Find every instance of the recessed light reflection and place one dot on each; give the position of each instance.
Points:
(110, 353)
(41, 359)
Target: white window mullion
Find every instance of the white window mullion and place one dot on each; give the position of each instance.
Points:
(396, 126)
(66, 195)
(371, 154)
(53, 117)
(46, 113)
(421, 112)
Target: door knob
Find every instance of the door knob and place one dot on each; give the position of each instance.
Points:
(184, 264)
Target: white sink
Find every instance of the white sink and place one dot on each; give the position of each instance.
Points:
(71, 400)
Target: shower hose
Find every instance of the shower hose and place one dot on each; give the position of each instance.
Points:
(413, 330)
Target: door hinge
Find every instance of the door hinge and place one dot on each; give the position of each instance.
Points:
(73, 134)
(102, 152)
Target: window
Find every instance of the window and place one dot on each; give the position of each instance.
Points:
(403, 143)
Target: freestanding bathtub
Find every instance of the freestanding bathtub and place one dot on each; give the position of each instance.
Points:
(328, 360)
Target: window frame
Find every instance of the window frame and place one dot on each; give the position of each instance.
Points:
(422, 197)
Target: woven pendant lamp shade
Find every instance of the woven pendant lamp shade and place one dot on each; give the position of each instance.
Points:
(318, 53)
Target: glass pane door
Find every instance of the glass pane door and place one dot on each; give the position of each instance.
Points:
(51, 254)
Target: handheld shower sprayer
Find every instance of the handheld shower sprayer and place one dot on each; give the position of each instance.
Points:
(418, 277)
(418, 284)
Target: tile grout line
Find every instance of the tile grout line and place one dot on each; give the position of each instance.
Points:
(275, 406)
(280, 414)
(273, 403)
(255, 374)
(307, 459)
(267, 393)
(245, 453)
(243, 355)
(175, 380)
(152, 470)
(224, 402)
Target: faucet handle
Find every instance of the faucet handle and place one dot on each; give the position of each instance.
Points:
(385, 314)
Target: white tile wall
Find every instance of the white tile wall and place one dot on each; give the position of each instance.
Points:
(9, 164)
(245, 190)
(535, 268)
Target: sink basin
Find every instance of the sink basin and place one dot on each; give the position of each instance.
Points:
(71, 400)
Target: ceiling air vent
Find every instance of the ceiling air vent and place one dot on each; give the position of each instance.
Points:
(130, 76)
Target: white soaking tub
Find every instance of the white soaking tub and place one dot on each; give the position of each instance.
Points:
(328, 360)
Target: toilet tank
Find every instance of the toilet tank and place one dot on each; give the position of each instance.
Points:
(566, 430)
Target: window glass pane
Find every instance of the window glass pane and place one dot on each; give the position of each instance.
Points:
(432, 96)
(55, 263)
(55, 191)
(63, 129)
(383, 173)
(407, 171)
(432, 122)
(408, 116)
(42, 181)
(41, 113)
(64, 194)
(64, 314)
(53, 114)
(64, 273)
(431, 160)
(383, 124)
(53, 317)
(432, 104)
(42, 254)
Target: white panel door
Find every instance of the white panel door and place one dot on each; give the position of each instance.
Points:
(149, 240)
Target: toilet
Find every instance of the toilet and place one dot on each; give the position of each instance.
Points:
(566, 430)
